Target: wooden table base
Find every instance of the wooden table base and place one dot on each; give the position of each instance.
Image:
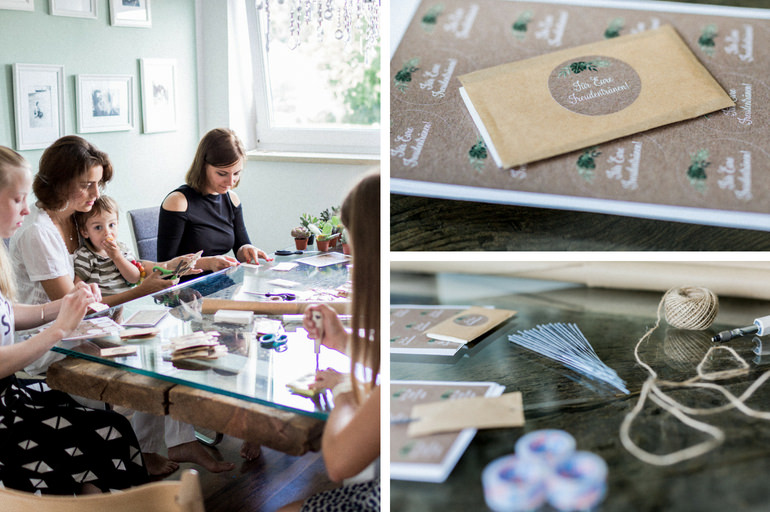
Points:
(288, 432)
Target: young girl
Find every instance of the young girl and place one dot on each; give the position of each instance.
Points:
(49, 443)
(351, 438)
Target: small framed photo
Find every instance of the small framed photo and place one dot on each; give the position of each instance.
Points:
(158, 95)
(130, 13)
(105, 103)
(38, 104)
(74, 8)
(18, 5)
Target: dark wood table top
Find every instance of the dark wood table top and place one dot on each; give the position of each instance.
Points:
(730, 477)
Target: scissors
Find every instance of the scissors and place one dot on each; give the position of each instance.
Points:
(275, 341)
(184, 265)
(283, 296)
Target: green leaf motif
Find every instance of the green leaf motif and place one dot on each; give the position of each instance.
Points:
(477, 154)
(706, 39)
(696, 172)
(579, 66)
(404, 75)
(430, 18)
(586, 163)
(614, 28)
(520, 25)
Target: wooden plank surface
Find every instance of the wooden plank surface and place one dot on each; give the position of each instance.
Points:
(291, 433)
(211, 306)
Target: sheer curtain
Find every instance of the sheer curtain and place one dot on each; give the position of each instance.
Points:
(241, 70)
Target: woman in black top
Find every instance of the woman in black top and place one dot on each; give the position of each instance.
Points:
(205, 213)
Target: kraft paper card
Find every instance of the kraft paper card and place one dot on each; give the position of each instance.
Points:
(470, 324)
(480, 412)
(545, 106)
(408, 324)
(707, 170)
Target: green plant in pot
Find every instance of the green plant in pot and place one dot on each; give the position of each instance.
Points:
(301, 235)
(336, 229)
(344, 241)
(305, 220)
(323, 235)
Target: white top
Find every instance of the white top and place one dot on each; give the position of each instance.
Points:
(6, 321)
(38, 253)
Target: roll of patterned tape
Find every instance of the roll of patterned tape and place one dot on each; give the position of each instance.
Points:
(549, 446)
(578, 482)
(512, 484)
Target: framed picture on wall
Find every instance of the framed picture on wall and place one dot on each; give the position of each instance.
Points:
(158, 94)
(73, 8)
(18, 5)
(130, 13)
(105, 103)
(38, 103)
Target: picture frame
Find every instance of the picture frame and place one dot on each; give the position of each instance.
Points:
(158, 78)
(130, 13)
(18, 5)
(38, 104)
(105, 103)
(73, 8)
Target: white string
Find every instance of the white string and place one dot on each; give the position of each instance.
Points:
(652, 389)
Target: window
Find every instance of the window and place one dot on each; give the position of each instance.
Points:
(313, 94)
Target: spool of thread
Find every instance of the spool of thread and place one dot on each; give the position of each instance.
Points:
(548, 447)
(690, 307)
(578, 482)
(512, 484)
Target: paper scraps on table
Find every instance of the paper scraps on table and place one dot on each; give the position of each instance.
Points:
(118, 351)
(232, 316)
(94, 328)
(566, 344)
(469, 324)
(268, 325)
(98, 307)
(300, 385)
(198, 345)
(283, 282)
(144, 332)
(285, 266)
(502, 411)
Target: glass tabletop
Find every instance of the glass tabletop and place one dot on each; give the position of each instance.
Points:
(248, 370)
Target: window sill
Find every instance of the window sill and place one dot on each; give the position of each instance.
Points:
(325, 158)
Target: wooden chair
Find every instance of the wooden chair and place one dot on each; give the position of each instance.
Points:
(167, 496)
(144, 228)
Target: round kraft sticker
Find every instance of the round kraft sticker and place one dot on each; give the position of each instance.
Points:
(594, 85)
(470, 320)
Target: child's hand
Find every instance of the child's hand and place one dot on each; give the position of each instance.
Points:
(327, 379)
(110, 246)
(154, 283)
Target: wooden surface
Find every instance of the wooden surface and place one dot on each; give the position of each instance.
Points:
(425, 224)
(277, 307)
(290, 433)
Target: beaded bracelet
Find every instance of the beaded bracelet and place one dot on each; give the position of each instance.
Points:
(142, 273)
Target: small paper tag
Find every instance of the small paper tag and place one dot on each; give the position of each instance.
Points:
(469, 324)
(478, 412)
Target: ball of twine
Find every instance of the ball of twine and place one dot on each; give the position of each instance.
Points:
(690, 307)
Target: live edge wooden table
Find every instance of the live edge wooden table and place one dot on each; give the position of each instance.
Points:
(731, 477)
(242, 394)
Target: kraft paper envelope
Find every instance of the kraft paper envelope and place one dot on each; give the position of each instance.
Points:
(478, 412)
(575, 98)
(469, 324)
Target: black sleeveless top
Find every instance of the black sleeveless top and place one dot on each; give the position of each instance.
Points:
(211, 223)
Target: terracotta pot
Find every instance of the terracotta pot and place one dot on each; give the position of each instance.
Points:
(333, 242)
(346, 249)
(323, 245)
(301, 243)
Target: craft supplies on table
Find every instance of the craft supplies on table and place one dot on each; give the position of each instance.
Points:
(146, 318)
(408, 324)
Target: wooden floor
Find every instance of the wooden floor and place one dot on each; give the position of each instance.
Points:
(265, 484)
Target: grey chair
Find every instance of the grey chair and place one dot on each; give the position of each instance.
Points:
(144, 228)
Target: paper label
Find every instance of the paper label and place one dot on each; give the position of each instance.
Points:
(594, 85)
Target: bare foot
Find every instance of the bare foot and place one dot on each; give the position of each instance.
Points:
(158, 465)
(195, 452)
(250, 451)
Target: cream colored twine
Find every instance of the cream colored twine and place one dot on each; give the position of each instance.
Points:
(696, 308)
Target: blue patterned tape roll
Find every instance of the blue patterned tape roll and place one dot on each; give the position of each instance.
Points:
(578, 482)
(549, 446)
(514, 485)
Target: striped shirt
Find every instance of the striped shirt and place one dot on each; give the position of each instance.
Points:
(93, 268)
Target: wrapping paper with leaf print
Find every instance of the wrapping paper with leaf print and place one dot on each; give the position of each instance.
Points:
(714, 165)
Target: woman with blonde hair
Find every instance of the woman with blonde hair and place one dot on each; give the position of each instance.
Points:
(351, 438)
(48, 442)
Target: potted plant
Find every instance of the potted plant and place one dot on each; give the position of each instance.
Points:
(337, 227)
(305, 220)
(344, 241)
(323, 234)
(301, 235)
